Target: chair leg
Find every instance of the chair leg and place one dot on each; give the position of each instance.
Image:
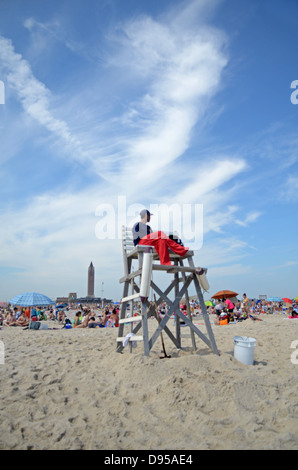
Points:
(145, 330)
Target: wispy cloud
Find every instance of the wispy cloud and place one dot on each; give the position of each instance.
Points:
(289, 263)
(32, 93)
(229, 270)
(209, 176)
(43, 31)
(182, 72)
(289, 189)
(248, 219)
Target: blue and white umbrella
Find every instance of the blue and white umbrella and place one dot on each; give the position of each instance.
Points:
(274, 299)
(31, 299)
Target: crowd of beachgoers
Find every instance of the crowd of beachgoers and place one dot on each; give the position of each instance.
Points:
(95, 316)
(230, 310)
(68, 317)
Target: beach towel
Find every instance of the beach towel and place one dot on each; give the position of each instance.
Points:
(126, 340)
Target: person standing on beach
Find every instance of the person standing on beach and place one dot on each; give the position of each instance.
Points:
(245, 303)
(143, 235)
(28, 312)
(230, 307)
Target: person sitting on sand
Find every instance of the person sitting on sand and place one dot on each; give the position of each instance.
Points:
(237, 314)
(219, 308)
(86, 311)
(212, 310)
(293, 312)
(61, 317)
(115, 318)
(104, 319)
(77, 319)
(106, 312)
(51, 316)
(41, 316)
(23, 320)
(9, 319)
(16, 312)
(92, 323)
(109, 323)
(81, 324)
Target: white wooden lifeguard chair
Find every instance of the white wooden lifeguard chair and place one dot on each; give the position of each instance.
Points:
(146, 255)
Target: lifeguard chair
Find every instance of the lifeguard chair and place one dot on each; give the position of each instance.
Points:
(139, 291)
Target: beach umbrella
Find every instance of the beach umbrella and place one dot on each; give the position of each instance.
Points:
(31, 299)
(227, 294)
(287, 301)
(296, 298)
(208, 303)
(274, 299)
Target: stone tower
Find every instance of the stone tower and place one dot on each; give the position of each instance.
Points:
(90, 289)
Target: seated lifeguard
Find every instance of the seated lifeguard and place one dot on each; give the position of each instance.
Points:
(143, 235)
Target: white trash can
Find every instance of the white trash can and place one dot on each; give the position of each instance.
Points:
(244, 349)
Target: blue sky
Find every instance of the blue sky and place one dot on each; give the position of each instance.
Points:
(160, 102)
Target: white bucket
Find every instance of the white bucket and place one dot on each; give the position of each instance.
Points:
(244, 349)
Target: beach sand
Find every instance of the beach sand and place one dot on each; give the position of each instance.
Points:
(69, 389)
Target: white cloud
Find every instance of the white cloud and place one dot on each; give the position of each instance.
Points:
(229, 270)
(289, 263)
(210, 176)
(42, 32)
(289, 191)
(52, 239)
(181, 70)
(250, 218)
(35, 99)
(32, 93)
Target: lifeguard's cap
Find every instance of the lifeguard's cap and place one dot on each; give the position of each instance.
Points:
(144, 212)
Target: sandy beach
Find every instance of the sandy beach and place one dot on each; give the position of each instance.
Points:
(69, 389)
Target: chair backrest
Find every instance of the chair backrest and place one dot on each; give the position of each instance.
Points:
(127, 239)
(130, 251)
(127, 247)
